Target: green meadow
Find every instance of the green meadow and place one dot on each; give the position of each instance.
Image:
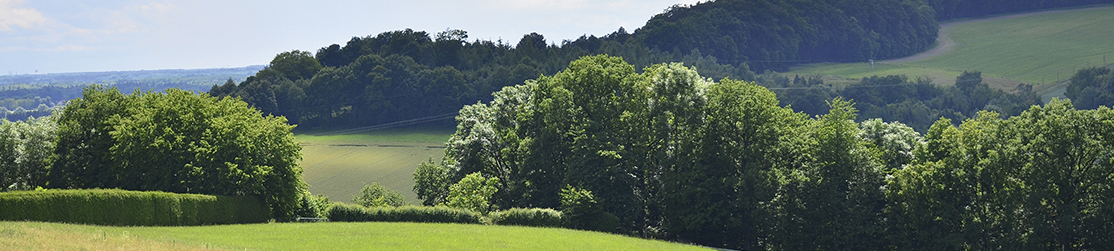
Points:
(1037, 48)
(338, 166)
(316, 236)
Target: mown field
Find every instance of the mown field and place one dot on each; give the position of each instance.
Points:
(338, 166)
(316, 236)
(1035, 48)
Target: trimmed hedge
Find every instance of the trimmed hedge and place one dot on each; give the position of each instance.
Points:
(130, 208)
(532, 217)
(439, 214)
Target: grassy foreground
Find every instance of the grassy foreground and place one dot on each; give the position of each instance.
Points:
(1035, 48)
(339, 166)
(316, 236)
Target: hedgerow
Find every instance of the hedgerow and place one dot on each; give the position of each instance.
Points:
(533, 217)
(130, 208)
(438, 214)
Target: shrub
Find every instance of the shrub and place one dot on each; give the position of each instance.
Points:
(439, 214)
(312, 205)
(473, 193)
(376, 195)
(130, 208)
(534, 217)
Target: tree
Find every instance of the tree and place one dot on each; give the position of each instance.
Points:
(473, 192)
(376, 195)
(25, 149)
(180, 142)
(431, 183)
(892, 143)
(294, 65)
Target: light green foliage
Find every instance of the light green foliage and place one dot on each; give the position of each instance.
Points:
(313, 205)
(533, 217)
(375, 195)
(440, 214)
(473, 192)
(25, 149)
(177, 142)
(892, 143)
(130, 208)
(431, 183)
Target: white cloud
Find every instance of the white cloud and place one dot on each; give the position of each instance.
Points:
(19, 17)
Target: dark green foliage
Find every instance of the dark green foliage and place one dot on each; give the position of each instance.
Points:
(375, 195)
(130, 208)
(955, 9)
(914, 102)
(1037, 181)
(531, 217)
(779, 33)
(580, 210)
(180, 142)
(355, 213)
(1092, 87)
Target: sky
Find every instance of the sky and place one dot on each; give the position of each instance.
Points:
(56, 36)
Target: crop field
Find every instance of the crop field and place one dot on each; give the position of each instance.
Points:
(1041, 49)
(316, 236)
(338, 166)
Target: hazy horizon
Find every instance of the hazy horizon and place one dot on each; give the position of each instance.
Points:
(61, 36)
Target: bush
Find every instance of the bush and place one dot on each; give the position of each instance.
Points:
(439, 214)
(130, 208)
(376, 195)
(533, 217)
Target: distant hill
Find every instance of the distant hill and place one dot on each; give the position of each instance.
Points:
(26, 95)
(205, 77)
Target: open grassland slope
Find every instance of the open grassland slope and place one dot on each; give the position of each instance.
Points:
(316, 236)
(1034, 48)
(339, 166)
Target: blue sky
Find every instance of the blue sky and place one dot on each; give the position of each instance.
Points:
(52, 36)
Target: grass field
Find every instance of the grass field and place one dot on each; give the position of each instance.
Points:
(338, 166)
(1029, 48)
(316, 236)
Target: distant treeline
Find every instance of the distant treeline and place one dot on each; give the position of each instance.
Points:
(192, 76)
(408, 76)
(916, 102)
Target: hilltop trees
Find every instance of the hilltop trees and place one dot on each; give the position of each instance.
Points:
(776, 34)
(180, 142)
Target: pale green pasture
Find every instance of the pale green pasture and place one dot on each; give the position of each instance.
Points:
(338, 166)
(1032, 49)
(1038, 48)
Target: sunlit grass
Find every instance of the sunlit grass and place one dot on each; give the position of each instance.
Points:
(317, 236)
